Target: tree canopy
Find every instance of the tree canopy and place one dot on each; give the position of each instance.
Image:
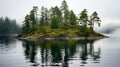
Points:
(59, 18)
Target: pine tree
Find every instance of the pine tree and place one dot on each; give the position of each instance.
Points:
(26, 26)
(72, 18)
(33, 19)
(44, 19)
(83, 18)
(57, 13)
(94, 19)
(54, 22)
(65, 11)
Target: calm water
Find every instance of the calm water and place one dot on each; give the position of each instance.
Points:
(60, 53)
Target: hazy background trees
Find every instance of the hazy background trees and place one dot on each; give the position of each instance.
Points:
(9, 26)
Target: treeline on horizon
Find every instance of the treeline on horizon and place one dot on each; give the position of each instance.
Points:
(58, 18)
(9, 26)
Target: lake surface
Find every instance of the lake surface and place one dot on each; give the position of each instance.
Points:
(60, 53)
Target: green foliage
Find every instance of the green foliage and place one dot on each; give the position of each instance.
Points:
(54, 22)
(59, 22)
(65, 11)
(44, 19)
(30, 22)
(83, 18)
(64, 6)
(26, 26)
(57, 13)
(41, 23)
(73, 18)
(94, 19)
(32, 17)
(85, 31)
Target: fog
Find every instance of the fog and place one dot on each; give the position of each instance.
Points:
(109, 29)
(108, 10)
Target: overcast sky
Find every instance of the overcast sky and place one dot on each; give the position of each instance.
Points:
(108, 10)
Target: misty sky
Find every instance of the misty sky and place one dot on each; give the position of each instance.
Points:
(108, 10)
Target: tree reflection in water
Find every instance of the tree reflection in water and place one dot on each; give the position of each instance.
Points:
(60, 52)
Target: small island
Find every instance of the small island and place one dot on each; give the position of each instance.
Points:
(60, 23)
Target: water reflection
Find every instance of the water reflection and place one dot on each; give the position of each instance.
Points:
(6, 44)
(60, 52)
(6, 40)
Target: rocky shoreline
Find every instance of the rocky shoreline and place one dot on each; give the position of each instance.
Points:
(66, 38)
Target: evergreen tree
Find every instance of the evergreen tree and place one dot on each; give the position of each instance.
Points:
(60, 18)
(54, 22)
(26, 26)
(33, 20)
(83, 18)
(94, 19)
(44, 19)
(1, 24)
(65, 11)
(73, 18)
(7, 23)
(32, 17)
(8, 26)
(57, 13)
